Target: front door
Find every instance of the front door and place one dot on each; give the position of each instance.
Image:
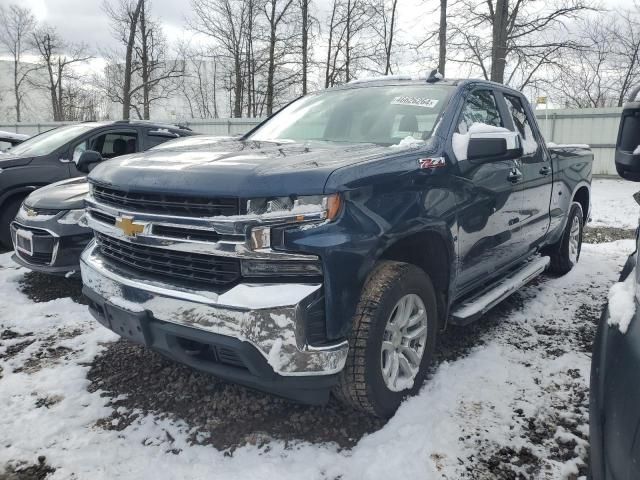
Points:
(489, 200)
(109, 144)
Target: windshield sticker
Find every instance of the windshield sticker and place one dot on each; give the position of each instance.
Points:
(415, 102)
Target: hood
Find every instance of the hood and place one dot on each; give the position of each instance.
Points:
(8, 160)
(65, 195)
(234, 168)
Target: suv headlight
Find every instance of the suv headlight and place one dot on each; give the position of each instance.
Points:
(297, 209)
(71, 217)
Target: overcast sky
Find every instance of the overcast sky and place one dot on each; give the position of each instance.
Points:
(84, 21)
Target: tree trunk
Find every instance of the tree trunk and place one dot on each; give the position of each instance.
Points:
(347, 50)
(327, 74)
(442, 37)
(16, 90)
(499, 36)
(305, 41)
(389, 46)
(237, 88)
(126, 87)
(272, 62)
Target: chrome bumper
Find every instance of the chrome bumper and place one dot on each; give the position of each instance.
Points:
(268, 316)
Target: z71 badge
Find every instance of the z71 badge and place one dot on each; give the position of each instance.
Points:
(431, 163)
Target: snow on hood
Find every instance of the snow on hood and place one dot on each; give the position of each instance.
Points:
(622, 306)
(637, 150)
(408, 142)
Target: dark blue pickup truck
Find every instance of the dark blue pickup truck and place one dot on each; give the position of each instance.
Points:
(326, 249)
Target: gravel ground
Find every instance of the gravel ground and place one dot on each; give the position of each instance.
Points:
(227, 416)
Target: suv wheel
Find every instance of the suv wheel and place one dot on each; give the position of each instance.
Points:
(392, 341)
(567, 252)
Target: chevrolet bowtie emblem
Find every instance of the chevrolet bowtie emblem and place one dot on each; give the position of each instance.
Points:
(128, 226)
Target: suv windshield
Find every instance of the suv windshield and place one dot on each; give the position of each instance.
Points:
(48, 142)
(381, 115)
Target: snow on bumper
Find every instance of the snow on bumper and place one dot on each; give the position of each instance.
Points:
(268, 316)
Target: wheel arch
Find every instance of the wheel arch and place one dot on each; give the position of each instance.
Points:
(24, 191)
(433, 252)
(582, 195)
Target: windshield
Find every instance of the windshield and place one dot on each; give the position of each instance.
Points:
(380, 115)
(50, 141)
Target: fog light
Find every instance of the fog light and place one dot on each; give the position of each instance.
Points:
(274, 268)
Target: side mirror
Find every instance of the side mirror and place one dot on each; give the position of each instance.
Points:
(494, 146)
(628, 144)
(88, 159)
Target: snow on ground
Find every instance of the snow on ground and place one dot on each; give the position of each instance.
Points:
(612, 203)
(517, 396)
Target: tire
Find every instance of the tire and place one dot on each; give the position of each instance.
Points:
(362, 383)
(9, 210)
(565, 255)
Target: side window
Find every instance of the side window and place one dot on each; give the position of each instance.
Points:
(114, 144)
(522, 123)
(480, 107)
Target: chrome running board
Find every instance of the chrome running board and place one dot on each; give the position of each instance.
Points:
(474, 307)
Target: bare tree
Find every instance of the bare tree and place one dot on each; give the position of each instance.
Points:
(350, 43)
(385, 25)
(274, 17)
(442, 37)
(158, 74)
(526, 36)
(625, 33)
(306, 24)
(200, 83)
(57, 58)
(225, 22)
(584, 79)
(124, 18)
(16, 27)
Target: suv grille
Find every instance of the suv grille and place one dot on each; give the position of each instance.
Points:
(193, 267)
(167, 204)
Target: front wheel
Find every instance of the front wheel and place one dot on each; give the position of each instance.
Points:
(392, 340)
(566, 253)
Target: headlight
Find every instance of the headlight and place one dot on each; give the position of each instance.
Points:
(71, 217)
(297, 209)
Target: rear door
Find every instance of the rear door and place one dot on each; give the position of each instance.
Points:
(535, 166)
(489, 202)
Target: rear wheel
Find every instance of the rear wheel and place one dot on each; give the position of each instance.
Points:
(566, 253)
(392, 341)
(9, 211)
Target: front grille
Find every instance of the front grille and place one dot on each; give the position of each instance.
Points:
(185, 233)
(167, 204)
(192, 267)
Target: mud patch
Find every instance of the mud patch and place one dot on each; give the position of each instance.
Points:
(44, 288)
(27, 471)
(222, 414)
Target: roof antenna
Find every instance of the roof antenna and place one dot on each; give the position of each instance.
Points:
(434, 76)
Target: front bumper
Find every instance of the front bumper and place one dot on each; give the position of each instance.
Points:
(267, 318)
(56, 248)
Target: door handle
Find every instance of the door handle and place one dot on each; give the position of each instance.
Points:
(65, 160)
(515, 176)
(546, 170)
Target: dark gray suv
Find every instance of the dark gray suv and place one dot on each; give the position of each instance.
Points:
(53, 155)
